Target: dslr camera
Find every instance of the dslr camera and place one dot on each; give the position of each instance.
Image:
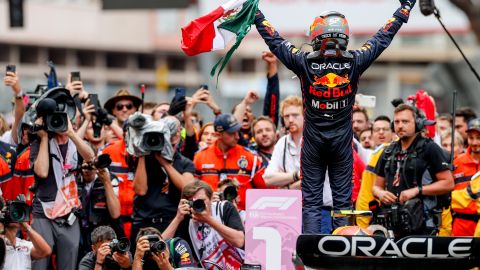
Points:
(121, 245)
(407, 219)
(230, 193)
(156, 244)
(197, 205)
(100, 162)
(15, 211)
(146, 135)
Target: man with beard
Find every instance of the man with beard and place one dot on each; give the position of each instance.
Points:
(466, 166)
(462, 117)
(284, 167)
(263, 131)
(359, 121)
(402, 165)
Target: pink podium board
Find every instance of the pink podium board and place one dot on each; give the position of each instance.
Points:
(273, 223)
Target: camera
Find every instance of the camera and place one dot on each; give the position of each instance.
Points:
(146, 135)
(121, 245)
(407, 219)
(230, 193)
(101, 116)
(101, 162)
(156, 245)
(15, 211)
(55, 105)
(197, 205)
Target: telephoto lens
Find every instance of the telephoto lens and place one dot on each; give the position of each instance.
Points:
(198, 205)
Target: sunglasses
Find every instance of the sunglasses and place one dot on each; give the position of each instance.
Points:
(120, 107)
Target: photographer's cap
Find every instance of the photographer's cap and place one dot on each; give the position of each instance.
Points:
(226, 122)
(474, 125)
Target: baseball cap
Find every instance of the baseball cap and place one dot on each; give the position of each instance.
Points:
(474, 125)
(226, 122)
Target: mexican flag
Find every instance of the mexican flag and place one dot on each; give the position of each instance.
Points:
(218, 28)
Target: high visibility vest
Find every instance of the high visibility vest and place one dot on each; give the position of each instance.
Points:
(212, 166)
(466, 205)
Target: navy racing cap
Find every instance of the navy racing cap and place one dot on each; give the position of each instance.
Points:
(226, 122)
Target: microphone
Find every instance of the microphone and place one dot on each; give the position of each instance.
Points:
(427, 7)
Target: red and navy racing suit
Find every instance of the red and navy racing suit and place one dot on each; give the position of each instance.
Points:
(328, 87)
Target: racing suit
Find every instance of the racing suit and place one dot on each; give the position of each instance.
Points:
(328, 88)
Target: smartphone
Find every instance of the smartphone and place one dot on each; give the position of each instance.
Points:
(366, 101)
(94, 100)
(75, 76)
(180, 92)
(204, 86)
(11, 68)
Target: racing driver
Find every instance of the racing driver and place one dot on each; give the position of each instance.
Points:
(329, 79)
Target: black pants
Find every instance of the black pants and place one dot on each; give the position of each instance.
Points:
(330, 149)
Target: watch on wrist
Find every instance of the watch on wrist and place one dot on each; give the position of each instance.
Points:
(420, 191)
(19, 95)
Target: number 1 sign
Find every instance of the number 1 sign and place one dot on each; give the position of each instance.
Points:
(273, 223)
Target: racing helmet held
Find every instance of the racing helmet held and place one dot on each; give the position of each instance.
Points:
(329, 31)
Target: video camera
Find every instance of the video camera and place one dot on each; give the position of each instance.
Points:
(406, 219)
(54, 106)
(15, 211)
(146, 135)
(197, 205)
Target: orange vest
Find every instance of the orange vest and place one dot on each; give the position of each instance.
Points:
(211, 166)
(10, 188)
(463, 204)
(118, 153)
(465, 168)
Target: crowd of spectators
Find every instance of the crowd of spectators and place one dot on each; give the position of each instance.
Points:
(187, 210)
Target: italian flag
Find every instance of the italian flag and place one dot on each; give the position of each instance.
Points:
(215, 30)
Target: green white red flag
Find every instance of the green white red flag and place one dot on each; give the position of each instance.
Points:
(218, 28)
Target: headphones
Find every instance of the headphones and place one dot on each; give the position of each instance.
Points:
(419, 120)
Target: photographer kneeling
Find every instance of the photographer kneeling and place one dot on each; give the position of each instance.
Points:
(154, 253)
(400, 170)
(19, 252)
(107, 253)
(214, 228)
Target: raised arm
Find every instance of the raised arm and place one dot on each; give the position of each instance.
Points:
(271, 102)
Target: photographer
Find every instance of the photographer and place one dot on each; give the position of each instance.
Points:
(56, 198)
(214, 228)
(19, 252)
(176, 252)
(158, 184)
(227, 190)
(401, 167)
(99, 196)
(106, 254)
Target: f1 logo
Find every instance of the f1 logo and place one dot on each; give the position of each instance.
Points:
(281, 203)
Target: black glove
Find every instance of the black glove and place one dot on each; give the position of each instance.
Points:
(177, 105)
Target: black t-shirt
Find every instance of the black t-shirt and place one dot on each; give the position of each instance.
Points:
(46, 187)
(403, 171)
(163, 197)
